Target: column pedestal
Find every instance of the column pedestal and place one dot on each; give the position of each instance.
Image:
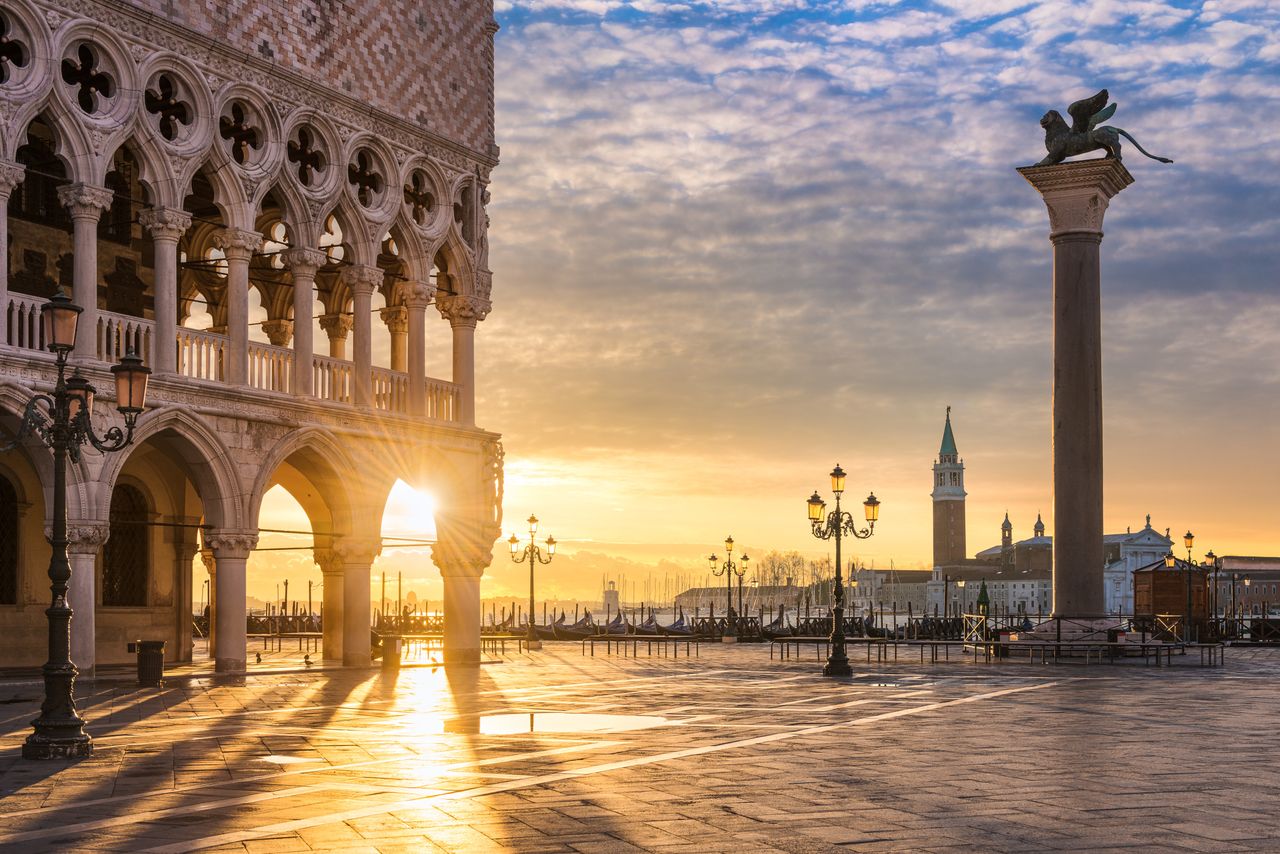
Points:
(1077, 195)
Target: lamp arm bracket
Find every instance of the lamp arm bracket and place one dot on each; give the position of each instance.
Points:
(542, 561)
(112, 440)
(34, 422)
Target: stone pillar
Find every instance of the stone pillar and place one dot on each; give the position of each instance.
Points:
(84, 541)
(1077, 195)
(464, 312)
(396, 319)
(356, 557)
(11, 175)
(336, 326)
(85, 203)
(231, 552)
(166, 227)
(239, 246)
(211, 566)
(362, 281)
(331, 566)
(303, 264)
(417, 296)
(461, 552)
(185, 551)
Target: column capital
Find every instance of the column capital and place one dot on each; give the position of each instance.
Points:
(396, 318)
(278, 331)
(86, 537)
(303, 262)
(85, 201)
(239, 244)
(1077, 193)
(165, 223)
(417, 294)
(358, 551)
(362, 279)
(463, 309)
(336, 325)
(233, 545)
(11, 175)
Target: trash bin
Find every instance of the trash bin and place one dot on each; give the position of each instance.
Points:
(150, 662)
(391, 653)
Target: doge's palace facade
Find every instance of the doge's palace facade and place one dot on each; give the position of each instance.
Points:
(249, 195)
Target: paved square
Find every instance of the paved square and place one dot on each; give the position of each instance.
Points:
(557, 752)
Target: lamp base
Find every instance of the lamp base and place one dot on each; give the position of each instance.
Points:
(37, 747)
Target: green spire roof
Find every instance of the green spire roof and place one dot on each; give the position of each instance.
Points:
(948, 440)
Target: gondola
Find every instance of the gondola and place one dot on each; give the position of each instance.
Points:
(779, 628)
(549, 632)
(649, 626)
(584, 628)
(679, 628)
(619, 626)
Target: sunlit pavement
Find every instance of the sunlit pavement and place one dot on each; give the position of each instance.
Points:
(726, 752)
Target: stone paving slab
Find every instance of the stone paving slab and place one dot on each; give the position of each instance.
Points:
(728, 752)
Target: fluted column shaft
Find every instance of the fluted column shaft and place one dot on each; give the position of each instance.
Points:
(303, 265)
(239, 246)
(166, 227)
(85, 203)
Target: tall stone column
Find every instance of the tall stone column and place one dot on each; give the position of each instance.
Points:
(362, 281)
(85, 203)
(239, 246)
(231, 551)
(461, 552)
(1077, 195)
(84, 541)
(417, 296)
(11, 175)
(337, 327)
(211, 567)
(331, 618)
(356, 556)
(185, 552)
(396, 319)
(166, 227)
(464, 312)
(303, 265)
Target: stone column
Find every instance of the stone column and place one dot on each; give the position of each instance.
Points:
(211, 566)
(461, 552)
(166, 227)
(231, 552)
(362, 281)
(331, 566)
(11, 175)
(185, 552)
(336, 326)
(356, 557)
(85, 203)
(84, 541)
(278, 331)
(239, 246)
(464, 312)
(417, 296)
(396, 319)
(303, 265)
(1077, 195)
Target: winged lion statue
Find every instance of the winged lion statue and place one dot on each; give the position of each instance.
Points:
(1084, 135)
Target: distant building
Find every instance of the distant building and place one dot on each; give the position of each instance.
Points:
(770, 597)
(1256, 584)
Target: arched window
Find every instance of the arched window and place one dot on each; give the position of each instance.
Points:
(8, 543)
(126, 557)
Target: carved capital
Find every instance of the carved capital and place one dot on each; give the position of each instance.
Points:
(1077, 194)
(239, 244)
(362, 279)
(85, 201)
(303, 263)
(278, 331)
(86, 537)
(356, 551)
(417, 294)
(165, 223)
(463, 309)
(11, 175)
(396, 318)
(337, 326)
(231, 545)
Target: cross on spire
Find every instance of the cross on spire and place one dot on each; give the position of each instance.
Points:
(90, 82)
(417, 195)
(362, 176)
(12, 51)
(303, 152)
(163, 101)
(237, 130)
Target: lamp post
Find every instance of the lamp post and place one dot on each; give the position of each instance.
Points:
(729, 569)
(1211, 560)
(533, 555)
(63, 422)
(1188, 539)
(1247, 582)
(960, 587)
(837, 525)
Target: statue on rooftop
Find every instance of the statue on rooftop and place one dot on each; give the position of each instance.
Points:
(1084, 135)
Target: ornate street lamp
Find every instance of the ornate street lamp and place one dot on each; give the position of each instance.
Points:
(63, 422)
(534, 556)
(1188, 539)
(839, 524)
(1211, 559)
(729, 569)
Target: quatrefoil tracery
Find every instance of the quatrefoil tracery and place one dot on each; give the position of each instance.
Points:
(308, 158)
(163, 102)
(419, 198)
(90, 83)
(242, 135)
(364, 178)
(13, 53)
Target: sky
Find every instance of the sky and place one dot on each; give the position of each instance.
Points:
(735, 243)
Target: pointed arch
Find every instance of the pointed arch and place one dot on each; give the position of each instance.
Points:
(317, 458)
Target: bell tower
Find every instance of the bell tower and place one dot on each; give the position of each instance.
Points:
(948, 502)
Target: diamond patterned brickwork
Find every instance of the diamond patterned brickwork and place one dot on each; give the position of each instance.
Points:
(426, 61)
